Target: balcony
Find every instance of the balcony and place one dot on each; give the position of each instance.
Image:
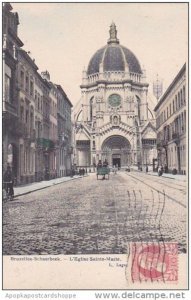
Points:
(45, 143)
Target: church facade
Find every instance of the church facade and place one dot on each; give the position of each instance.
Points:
(112, 119)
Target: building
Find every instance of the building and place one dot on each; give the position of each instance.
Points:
(12, 129)
(47, 143)
(40, 86)
(113, 120)
(53, 132)
(170, 114)
(26, 73)
(64, 133)
(30, 115)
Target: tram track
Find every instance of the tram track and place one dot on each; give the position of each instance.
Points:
(157, 190)
(172, 186)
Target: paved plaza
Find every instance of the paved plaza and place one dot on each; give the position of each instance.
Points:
(90, 216)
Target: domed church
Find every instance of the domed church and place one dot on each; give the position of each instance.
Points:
(113, 120)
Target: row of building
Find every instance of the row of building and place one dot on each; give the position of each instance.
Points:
(171, 111)
(37, 127)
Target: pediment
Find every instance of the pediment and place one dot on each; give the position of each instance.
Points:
(149, 133)
(82, 136)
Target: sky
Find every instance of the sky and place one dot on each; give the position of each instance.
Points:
(62, 37)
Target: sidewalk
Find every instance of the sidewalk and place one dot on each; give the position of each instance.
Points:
(170, 176)
(36, 186)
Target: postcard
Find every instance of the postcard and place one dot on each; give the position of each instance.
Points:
(95, 146)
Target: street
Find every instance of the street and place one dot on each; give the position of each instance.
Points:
(90, 216)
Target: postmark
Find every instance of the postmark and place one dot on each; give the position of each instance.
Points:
(154, 262)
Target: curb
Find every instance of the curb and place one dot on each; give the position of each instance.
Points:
(163, 176)
(42, 188)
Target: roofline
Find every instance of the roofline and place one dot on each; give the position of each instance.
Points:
(151, 125)
(168, 90)
(43, 81)
(15, 37)
(7, 6)
(28, 59)
(64, 94)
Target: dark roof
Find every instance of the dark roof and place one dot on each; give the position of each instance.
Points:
(114, 57)
(182, 70)
(93, 66)
(59, 87)
(132, 61)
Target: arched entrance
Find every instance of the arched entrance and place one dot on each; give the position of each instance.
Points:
(117, 150)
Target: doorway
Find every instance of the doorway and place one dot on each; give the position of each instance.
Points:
(117, 162)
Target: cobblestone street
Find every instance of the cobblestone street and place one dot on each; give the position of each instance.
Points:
(90, 216)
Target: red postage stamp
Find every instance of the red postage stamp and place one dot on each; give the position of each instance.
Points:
(154, 262)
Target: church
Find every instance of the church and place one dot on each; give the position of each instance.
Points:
(113, 120)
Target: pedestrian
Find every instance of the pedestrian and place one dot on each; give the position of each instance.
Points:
(8, 179)
(99, 165)
(105, 164)
(160, 171)
(114, 170)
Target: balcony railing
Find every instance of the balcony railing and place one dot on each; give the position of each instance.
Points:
(45, 143)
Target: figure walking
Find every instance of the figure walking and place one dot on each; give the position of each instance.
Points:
(8, 179)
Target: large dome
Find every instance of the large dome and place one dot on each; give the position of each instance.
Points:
(113, 57)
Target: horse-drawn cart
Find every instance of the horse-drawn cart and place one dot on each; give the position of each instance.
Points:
(102, 171)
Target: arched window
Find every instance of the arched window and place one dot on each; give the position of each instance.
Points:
(176, 104)
(181, 99)
(32, 118)
(91, 108)
(79, 116)
(138, 107)
(184, 96)
(182, 122)
(178, 100)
